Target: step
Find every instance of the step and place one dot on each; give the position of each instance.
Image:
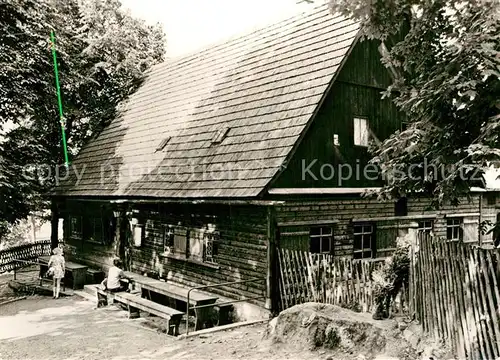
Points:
(91, 289)
(85, 295)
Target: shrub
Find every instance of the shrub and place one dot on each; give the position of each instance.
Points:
(390, 278)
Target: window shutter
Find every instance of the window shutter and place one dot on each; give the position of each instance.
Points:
(180, 240)
(470, 230)
(138, 231)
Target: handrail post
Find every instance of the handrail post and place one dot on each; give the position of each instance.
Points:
(213, 286)
(187, 313)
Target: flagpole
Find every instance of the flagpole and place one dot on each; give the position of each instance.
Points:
(61, 118)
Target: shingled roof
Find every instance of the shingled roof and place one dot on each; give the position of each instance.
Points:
(221, 122)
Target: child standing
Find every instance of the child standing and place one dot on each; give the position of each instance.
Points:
(57, 267)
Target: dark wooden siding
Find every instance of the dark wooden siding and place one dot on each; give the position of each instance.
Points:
(97, 253)
(241, 250)
(346, 210)
(356, 93)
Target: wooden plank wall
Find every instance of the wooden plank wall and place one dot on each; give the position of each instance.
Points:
(345, 210)
(419, 206)
(242, 248)
(94, 255)
(98, 254)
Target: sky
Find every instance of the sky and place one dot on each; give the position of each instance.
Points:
(193, 24)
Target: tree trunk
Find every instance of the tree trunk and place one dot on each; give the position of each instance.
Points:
(54, 224)
(33, 227)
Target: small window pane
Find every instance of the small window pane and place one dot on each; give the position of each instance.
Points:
(367, 241)
(316, 231)
(315, 245)
(358, 241)
(325, 244)
(449, 233)
(326, 231)
(363, 241)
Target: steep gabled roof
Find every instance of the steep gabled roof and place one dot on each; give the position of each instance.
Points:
(221, 122)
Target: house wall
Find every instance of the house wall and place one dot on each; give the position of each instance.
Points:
(346, 210)
(355, 93)
(241, 249)
(99, 252)
(490, 209)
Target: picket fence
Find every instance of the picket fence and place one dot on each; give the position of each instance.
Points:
(307, 277)
(28, 252)
(455, 295)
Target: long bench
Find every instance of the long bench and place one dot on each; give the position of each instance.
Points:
(174, 291)
(134, 303)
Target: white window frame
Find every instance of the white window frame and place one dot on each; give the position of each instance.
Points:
(361, 131)
(423, 226)
(211, 236)
(196, 245)
(322, 234)
(168, 239)
(364, 232)
(454, 223)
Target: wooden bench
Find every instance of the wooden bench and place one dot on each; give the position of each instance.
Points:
(134, 302)
(177, 292)
(104, 297)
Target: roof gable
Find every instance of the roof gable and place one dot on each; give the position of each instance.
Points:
(261, 90)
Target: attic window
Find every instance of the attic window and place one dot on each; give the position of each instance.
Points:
(220, 135)
(163, 144)
(361, 132)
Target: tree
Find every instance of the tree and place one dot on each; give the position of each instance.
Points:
(102, 52)
(445, 57)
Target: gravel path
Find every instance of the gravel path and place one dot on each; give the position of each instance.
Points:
(69, 328)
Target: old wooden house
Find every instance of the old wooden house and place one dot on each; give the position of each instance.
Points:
(227, 154)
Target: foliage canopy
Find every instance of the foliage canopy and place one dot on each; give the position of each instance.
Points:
(445, 60)
(102, 52)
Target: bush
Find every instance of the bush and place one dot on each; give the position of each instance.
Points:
(390, 278)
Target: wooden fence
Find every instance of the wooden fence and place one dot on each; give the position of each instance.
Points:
(455, 295)
(306, 277)
(28, 252)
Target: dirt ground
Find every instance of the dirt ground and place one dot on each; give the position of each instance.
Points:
(70, 328)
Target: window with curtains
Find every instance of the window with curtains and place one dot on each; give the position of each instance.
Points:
(168, 239)
(198, 244)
